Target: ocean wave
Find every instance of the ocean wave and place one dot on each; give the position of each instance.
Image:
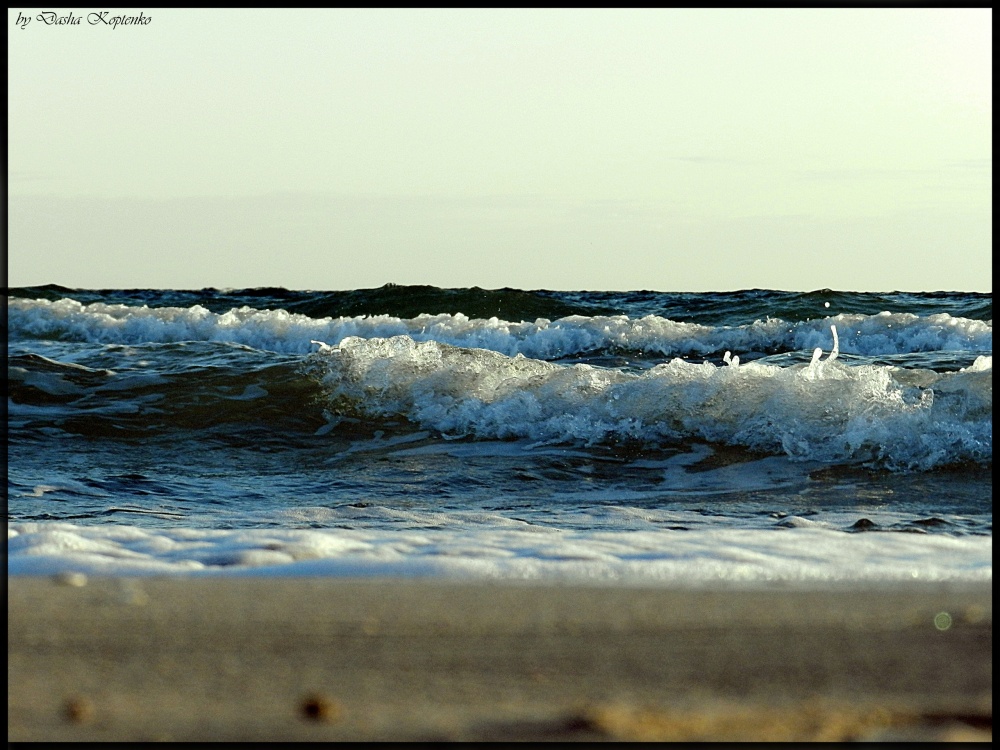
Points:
(823, 411)
(649, 336)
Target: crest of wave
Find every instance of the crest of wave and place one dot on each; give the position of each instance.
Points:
(823, 411)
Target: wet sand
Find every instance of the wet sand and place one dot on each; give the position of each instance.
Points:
(375, 659)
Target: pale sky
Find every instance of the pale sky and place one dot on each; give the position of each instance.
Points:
(675, 150)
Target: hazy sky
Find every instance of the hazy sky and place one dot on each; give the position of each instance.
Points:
(677, 150)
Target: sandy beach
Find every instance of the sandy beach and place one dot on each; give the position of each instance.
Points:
(375, 659)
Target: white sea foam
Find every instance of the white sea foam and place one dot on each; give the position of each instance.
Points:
(824, 411)
(797, 554)
(281, 331)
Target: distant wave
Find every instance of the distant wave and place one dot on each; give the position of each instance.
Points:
(282, 331)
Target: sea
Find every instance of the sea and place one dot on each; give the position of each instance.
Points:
(617, 438)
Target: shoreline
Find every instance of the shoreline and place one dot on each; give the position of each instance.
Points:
(424, 659)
